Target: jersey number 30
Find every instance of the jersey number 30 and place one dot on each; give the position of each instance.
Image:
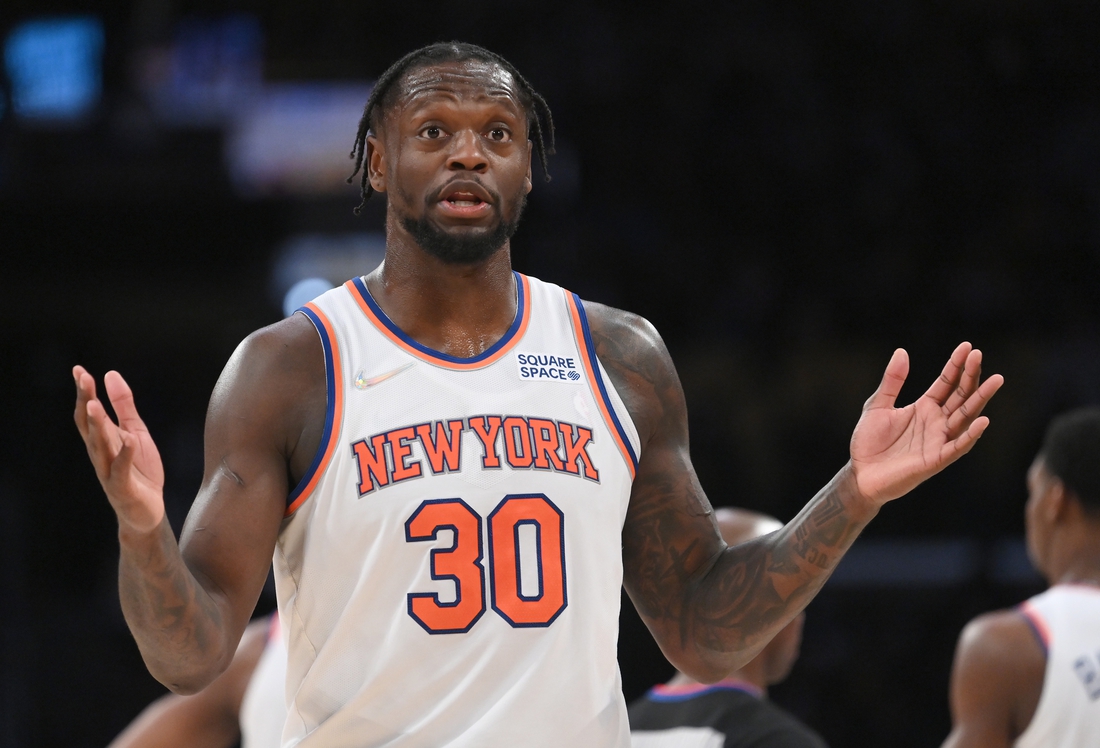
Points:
(461, 563)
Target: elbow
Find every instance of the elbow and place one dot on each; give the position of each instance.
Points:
(185, 686)
(183, 680)
(707, 666)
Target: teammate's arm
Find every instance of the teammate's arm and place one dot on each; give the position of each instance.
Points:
(209, 718)
(996, 682)
(188, 604)
(712, 608)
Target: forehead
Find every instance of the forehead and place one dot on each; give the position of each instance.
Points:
(458, 81)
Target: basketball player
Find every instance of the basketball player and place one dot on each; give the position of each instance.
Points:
(735, 711)
(1030, 677)
(245, 704)
(457, 467)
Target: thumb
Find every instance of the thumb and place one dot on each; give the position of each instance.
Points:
(892, 380)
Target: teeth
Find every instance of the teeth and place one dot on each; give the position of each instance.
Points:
(465, 203)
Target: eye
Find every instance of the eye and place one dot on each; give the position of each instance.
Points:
(432, 133)
(500, 135)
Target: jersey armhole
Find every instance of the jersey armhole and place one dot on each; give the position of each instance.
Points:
(1037, 625)
(333, 409)
(591, 365)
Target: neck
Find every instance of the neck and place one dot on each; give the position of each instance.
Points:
(457, 309)
(1076, 555)
(1080, 574)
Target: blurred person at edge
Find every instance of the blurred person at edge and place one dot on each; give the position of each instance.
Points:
(734, 712)
(1030, 677)
(245, 705)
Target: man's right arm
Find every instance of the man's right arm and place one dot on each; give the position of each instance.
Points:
(209, 718)
(995, 682)
(188, 604)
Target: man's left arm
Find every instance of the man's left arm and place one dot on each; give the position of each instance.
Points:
(712, 608)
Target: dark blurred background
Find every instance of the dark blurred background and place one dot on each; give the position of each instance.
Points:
(787, 190)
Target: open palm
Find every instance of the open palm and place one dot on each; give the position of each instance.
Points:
(124, 456)
(895, 449)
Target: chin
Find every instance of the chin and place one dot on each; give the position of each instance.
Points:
(460, 245)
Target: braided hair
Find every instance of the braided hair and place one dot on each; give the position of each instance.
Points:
(539, 120)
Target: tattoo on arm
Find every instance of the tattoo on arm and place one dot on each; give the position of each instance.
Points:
(721, 603)
(173, 621)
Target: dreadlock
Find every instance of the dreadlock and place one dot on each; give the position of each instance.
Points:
(538, 112)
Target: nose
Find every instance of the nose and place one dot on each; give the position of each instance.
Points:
(466, 153)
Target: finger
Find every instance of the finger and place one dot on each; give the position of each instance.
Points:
(946, 382)
(103, 440)
(971, 375)
(892, 380)
(955, 449)
(974, 405)
(85, 391)
(122, 400)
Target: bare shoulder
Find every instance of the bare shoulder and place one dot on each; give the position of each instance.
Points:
(636, 359)
(996, 680)
(268, 408)
(1001, 640)
(278, 368)
(290, 346)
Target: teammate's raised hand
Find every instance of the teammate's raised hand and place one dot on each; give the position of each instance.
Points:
(124, 456)
(895, 449)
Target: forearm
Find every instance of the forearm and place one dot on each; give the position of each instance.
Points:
(753, 590)
(177, 624)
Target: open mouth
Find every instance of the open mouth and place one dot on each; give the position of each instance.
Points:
(463, 199)
(466, 200)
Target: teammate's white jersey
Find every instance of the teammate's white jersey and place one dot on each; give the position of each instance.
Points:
(1066, 618)
(450, 567)
(263, 706)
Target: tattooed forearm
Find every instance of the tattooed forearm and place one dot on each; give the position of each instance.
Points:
(173, 620)
(776, 575)
(710, 608)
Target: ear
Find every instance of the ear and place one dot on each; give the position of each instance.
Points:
(1057, 501)
(528, 185)
(376, 163)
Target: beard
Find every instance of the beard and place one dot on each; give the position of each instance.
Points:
(462, 250)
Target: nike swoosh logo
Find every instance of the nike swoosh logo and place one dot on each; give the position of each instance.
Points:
(362, 383)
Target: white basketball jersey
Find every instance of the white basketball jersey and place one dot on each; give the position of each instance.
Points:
(1066, 618)
(450, 567)
(263, 706)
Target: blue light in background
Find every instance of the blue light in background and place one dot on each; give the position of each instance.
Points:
(212, 68)
(55, 67)
(304, 290)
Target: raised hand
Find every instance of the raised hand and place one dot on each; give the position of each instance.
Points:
(124, 456)
(895, 449)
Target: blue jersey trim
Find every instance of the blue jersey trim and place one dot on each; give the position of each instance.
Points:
(330, 405)
(521, 303)
(1034, 630)
(654, 695)
(590, 351)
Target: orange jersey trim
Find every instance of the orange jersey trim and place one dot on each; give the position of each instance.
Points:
(1037, 624)
(394, 334)
(334, 381)
(588, 357)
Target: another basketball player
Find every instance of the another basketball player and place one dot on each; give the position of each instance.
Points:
(734, 712)
(245, 705)
(457, 467)
(1030, 677)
